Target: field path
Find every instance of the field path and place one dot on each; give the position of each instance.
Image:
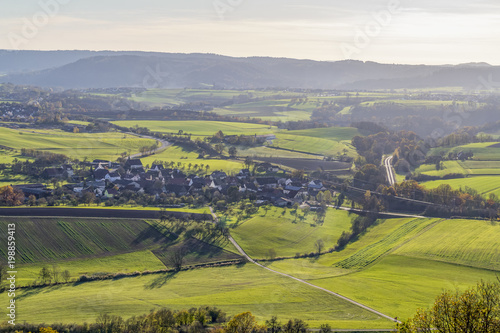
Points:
(243, 253)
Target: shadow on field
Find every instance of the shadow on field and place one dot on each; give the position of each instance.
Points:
(35, 291)
(161, 280)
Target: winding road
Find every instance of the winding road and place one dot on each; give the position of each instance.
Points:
(243, 253)
(390, 172)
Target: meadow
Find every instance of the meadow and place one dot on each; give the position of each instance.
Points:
(234, 289)
(199, 128)
(485, 185)
(483, 151)
(415, 259)
(75, 145)
(288, 235)
(182, 157)
(313, 145)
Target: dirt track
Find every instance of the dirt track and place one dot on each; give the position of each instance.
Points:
(95, 213)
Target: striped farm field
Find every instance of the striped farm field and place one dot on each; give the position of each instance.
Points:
(481, 167)
(46, 239)
(378, 241)
(374, 251)
(75, 145)
(465, 242)
(483, 184)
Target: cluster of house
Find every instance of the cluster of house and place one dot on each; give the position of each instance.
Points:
(109, 179)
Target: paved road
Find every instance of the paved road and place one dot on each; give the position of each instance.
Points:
(243, 253)
(390, 172)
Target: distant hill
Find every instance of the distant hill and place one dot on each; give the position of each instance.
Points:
(87, 69)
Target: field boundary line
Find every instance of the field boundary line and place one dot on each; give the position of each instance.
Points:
(365, 307)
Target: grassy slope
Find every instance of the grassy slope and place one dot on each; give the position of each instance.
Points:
(199, 127)
(448, 254)
(482, 151)
(399, 285)
(179, 154)
(376, 242)
(483, 184)
(464, 242)
(234, 289)
(80, 145)
(287, 238)
(121, 263)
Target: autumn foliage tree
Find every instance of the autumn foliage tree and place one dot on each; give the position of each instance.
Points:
(10, 196)
(477, 310)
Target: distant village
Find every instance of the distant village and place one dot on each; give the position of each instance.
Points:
(109, 180)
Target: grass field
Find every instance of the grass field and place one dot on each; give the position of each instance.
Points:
(415, 261)
(79, 145)
(122, 263)
(233, 289)
(312, 145)
(330, 133)
(448, 167)
(483, 151)
(483, 184)
(398, 285)
(185, 156)
(372, 245)
(287, 236)
(464, 242)
(200, 128)
(161, 97)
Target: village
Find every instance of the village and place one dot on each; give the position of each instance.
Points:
(115, 184)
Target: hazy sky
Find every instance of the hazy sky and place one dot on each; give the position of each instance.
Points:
(404, 31)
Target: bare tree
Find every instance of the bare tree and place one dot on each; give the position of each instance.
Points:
(176, 258)
(66, 275)
(55, 273)
(319, 245)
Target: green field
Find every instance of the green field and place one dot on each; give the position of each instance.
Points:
(374, 244)
(79, 145)
(184, 156)
(464, 242)
(173, 97)
(447, 168)
(331, 133)
(199, 128)
(287, 236)
(233, 289)
(415, 259)
(312, 145)
(399, 285)
(483, 151)
(122, 263)
(483, 184)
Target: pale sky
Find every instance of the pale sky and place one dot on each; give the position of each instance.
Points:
(388, 31)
